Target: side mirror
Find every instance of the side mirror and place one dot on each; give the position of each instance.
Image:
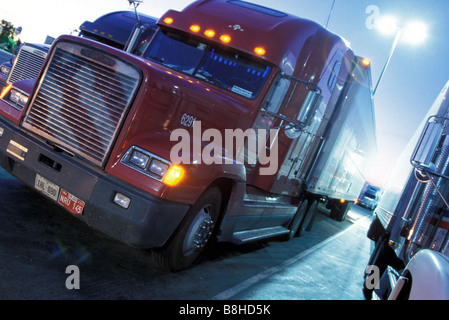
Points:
(305, 115)
(430, 156)
(428, 142)
(308, 108)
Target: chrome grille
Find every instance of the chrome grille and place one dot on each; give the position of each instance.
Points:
(82, 100)
(28, 64)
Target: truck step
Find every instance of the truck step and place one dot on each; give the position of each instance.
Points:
(242, 237)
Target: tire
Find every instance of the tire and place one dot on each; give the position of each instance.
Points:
(192, 235)
(306, 224)
(312, 213)
(296, 221)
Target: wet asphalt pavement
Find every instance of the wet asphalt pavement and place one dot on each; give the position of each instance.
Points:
(39, 240)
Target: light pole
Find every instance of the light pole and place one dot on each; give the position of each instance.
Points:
(414, 33)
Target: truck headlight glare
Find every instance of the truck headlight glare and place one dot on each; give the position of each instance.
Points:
(23, 100)
(153, 166)
(18, 98)
(14, 96)
(139, 159)
(158, 167)
(4, 69)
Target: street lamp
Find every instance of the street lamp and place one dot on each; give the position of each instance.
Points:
(413, 33)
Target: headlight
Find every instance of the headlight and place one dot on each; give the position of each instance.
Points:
(5, 69)
(23, 100)
(18, 98)
(139, 159)
(159, 167)
(153, 166)
(14, 96)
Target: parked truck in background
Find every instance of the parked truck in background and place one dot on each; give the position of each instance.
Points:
(410, 226)
(114, 29)
(102, 126)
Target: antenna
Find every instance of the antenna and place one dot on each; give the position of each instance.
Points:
(135, 3)
(330, 13)
(138, 29)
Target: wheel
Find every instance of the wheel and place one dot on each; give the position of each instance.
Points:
(296, 221)
(192, 235)
(311, 216)
(382, 257)
(306, 224)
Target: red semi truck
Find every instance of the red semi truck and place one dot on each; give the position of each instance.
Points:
(232, 124)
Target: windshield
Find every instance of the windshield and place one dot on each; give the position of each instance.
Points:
(230, 71)
(369, 195)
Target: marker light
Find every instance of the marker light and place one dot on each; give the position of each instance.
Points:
(168, 20)
(225, 38)
(259, 51)
(195, 28)
(174, 175)
(5, 91)
(366, 62)
(342, 200)
(209, 33)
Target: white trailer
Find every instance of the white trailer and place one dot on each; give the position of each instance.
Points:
(349, 147)
(410, 226)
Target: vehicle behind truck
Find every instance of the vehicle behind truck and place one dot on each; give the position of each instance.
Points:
(114, 29)
(231, 124)
(410, 226)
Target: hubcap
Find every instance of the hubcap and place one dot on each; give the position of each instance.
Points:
(199, 232)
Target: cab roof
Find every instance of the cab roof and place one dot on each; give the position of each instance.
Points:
(251, 26)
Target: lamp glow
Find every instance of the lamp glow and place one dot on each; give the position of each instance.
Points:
(195, 28)
(415, 32)
(388, 25)
(174, 175)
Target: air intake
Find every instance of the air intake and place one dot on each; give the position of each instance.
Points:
(82, 100)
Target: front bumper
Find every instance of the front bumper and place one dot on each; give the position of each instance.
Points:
(148, 222)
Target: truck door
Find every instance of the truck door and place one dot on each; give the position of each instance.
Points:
(289, 109)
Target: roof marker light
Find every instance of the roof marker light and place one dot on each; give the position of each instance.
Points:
(259, 51)
(366, 62)
(225, 38)
(195, 28)
(209, 33)
(168, 20)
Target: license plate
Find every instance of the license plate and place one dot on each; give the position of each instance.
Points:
(70, 202)
(48, 188)
(63, 197)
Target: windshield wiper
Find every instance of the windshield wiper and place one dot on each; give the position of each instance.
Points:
(211, 79)
(160, 60)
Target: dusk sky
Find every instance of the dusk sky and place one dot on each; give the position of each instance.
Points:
(412, 81)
